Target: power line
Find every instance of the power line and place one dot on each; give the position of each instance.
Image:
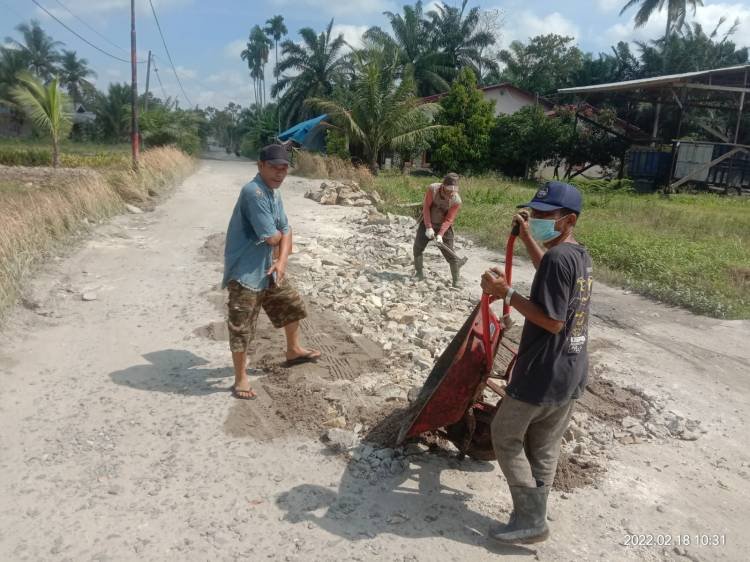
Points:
(169, 56)
(64, 7)
(45, 10)
(156, 71)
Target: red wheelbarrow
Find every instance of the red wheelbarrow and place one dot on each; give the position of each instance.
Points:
(451, 403)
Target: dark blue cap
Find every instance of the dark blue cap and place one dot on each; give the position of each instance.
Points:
(274, 154)
(556, 195)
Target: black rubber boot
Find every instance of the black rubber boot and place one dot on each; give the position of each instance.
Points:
(455, 272)
(419, 267)
(528, 522)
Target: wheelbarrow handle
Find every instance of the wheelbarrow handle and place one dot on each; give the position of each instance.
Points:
(487, 299)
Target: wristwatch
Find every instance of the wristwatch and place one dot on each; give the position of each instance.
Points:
(509, 295)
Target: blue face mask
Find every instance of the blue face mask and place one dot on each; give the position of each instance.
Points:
(543, 230)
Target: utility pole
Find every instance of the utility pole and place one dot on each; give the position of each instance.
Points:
(134, 138)
(148, 76)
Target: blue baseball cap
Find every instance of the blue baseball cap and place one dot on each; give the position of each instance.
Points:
(555, 195)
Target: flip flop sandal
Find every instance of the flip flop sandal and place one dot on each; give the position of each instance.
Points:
(309, 358)
(236, 394)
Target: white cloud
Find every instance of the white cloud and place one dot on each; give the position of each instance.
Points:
(708, 16)
(187, 73)
(339, 8)
(352, 33)
(610, 5)
(527, 24)
(233, 49)
(87, 8)
(228, 77)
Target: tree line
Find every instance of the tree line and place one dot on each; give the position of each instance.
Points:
(374, 92)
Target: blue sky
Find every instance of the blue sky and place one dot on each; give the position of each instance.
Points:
(205, 37)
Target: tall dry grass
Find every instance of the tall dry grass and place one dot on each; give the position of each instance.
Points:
(40, 207)
(316, 166)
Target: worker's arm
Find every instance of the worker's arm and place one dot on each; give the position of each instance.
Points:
(450, 217)
(283, 248)
(426, 206)
(551, 297)
(535, 251)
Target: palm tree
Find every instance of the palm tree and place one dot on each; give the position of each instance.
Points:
(318, 66)
(256, 55)
(12, 62)
(73, 74)
(47, 106)
(460, 36)
(113, 112)
(676, 11)
(275, 29)
(39, 49)
(385, 111)
(418, 52)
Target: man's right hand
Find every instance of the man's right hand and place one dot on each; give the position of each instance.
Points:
(522, 220)
(430, 233)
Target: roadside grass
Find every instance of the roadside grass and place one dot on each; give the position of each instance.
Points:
(691, 251)
(37, 152)
(43, 207)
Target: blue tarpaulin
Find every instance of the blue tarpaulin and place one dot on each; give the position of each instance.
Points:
(301, 131)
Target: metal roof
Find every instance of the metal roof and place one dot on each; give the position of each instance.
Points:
(723, 76)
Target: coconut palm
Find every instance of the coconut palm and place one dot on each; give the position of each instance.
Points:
(318, 66)
(39, 49)
(385, 112)
(73, 74)
(12, 62)
(417, 48)
(676, 11)
(460, 36)
(48, 107)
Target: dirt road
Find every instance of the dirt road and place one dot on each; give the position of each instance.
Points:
(119, 440)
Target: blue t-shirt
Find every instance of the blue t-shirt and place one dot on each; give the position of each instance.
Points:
(259, 214)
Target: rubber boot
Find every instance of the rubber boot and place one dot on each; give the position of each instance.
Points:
(419, 267)
(528, 522)
(455, 272)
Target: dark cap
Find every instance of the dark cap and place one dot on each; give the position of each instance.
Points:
(274, 154)
(450, 179)
(555, 195)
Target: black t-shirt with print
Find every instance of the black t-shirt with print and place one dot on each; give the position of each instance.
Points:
(552, 368)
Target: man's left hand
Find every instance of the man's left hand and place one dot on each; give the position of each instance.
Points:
(439, 239)
(278, 267)
(494, 283)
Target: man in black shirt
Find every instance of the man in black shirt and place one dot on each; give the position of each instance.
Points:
(551, 369)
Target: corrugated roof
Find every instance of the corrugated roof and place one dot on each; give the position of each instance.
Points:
(655, 82)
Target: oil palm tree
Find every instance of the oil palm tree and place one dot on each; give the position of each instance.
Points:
(47, 106)
(384, 111)
(460, 37)
(73, 74)
(317, 63)
(39, 49)
(113, 112)
(417, 49)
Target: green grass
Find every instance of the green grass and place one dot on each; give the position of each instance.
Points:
(37, 152)
(688, 250)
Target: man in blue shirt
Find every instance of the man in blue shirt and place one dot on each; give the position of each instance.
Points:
(259, 241)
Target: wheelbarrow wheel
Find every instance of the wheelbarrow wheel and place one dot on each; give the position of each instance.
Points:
(476, 441)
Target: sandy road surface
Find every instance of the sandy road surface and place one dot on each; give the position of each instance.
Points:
(119, 441)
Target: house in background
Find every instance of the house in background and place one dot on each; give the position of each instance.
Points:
(508, 99)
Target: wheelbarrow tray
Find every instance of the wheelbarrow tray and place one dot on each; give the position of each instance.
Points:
(456, 380)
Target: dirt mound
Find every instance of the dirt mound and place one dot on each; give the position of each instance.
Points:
(213, 247)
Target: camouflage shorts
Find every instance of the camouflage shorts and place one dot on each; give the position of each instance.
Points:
(283, 305)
